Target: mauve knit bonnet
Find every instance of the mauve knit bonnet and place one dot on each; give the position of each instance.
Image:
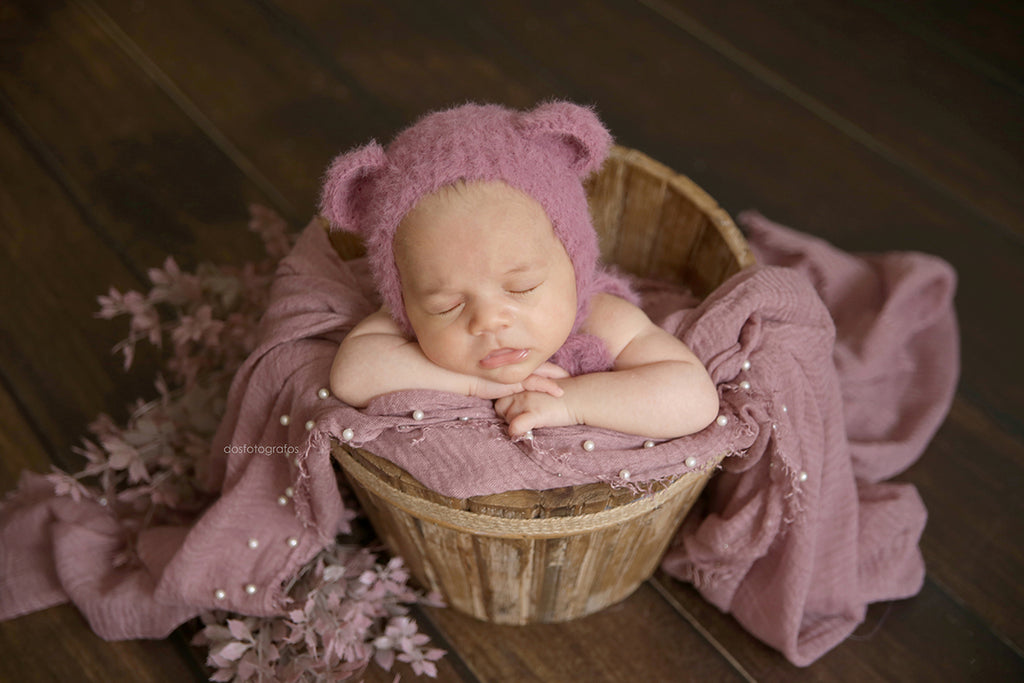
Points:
(545, 152)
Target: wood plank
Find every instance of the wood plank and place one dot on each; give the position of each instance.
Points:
(898, 641)
(880, 83)
(332, 84)
(972, 541)
(55, 347)
(288, 115)
(154, 180)
(638, 639)
(984, 33)
(58, 645)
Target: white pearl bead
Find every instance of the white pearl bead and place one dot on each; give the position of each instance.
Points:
(103, 501)
(722, 420)
(292, 542)
(285, 420)
(648, 444)
(625, 474)
(528, 435)
(589, 445)
(309, 425)
(691, 461)
(323, 392)
(253, 543)
(746, 365)
(802, 476)
(463, 418)
(417, 415)
(745, 385)
(250, 588)
(347, 434)
(220, 594)
(784, 408)
(282, 500)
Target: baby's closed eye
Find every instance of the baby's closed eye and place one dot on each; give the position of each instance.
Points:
(521, 290)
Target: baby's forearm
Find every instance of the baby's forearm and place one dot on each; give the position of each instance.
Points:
(662, 400)
(370, 365)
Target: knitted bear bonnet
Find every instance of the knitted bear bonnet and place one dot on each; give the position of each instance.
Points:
(545, 153)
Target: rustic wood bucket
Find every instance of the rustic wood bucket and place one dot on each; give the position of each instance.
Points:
(546, 556)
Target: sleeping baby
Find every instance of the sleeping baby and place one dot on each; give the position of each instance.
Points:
(481, 246)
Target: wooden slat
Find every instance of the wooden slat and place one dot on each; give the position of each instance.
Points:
(984, 34)
(898, 641)
(636, 640)
(53, 266)
(972, 541)
(43, 360)
(880, 84)
(154, 180)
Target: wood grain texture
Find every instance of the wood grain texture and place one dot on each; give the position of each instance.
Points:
(132, 130)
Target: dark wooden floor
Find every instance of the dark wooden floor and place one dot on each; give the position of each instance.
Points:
(130, 130)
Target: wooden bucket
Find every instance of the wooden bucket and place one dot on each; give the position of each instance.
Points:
(547, 556)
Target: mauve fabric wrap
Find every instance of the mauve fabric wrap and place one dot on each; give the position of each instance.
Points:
(853, 361)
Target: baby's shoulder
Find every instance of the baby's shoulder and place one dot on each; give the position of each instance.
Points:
(614, 320)
(378, 322)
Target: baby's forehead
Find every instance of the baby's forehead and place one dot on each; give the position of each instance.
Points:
(468, 192)
(433, 211)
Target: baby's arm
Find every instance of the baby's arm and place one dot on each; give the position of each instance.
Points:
(657, 387)
(375, 358)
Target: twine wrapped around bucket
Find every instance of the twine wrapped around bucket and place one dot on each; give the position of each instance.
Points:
(546, 556)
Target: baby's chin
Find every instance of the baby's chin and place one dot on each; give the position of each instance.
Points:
(507, 375)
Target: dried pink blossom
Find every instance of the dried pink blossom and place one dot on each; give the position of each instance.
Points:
(348, 608)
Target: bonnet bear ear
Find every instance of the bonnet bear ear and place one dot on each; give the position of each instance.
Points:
(346, 183)
(574, 127)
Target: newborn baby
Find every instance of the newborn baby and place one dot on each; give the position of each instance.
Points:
(481, 246)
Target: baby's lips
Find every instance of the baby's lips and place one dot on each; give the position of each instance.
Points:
(501, 357)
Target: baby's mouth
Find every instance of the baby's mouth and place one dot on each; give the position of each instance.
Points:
(501, 357)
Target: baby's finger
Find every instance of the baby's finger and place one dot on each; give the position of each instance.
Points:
(502, 405)
(521, 424)
(551, 370)
(543, 384)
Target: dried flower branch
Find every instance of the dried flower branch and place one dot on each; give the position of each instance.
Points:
(351, 609)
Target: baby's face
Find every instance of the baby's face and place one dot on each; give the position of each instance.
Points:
(488, 287)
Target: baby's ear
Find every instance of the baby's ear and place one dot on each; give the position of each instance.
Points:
(573, 127)
(345, 184)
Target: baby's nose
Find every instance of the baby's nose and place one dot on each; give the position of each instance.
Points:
(489, 316)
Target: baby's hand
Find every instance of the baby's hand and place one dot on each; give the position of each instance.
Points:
(542, 380)
(551, 371)
(529, 409)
